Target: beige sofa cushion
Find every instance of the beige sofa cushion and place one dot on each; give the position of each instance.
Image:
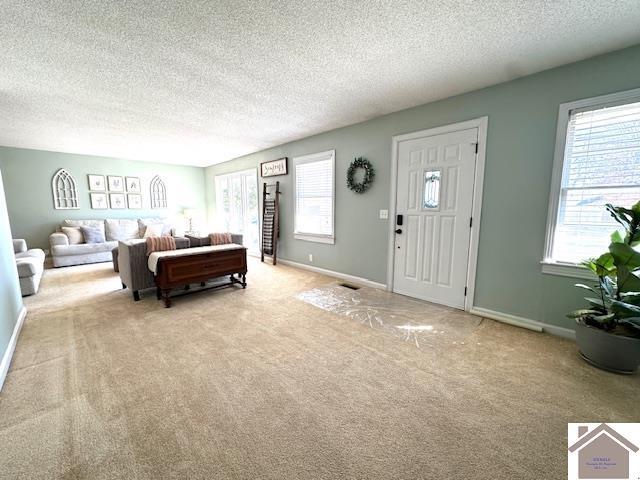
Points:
(167, 229)
(121, 229)
(83, 249)
(154, 230)
(74, 234)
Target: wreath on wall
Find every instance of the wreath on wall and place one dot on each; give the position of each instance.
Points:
(367, 180)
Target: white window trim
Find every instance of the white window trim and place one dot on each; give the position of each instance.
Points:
(549, 265)
(314, 157)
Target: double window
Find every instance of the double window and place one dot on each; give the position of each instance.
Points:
(315, 197)
(597, 162)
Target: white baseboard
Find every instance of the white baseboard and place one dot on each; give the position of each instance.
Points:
(8, 354)
(523, 322)
(330, 273)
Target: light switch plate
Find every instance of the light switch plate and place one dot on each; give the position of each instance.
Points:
(384, 214)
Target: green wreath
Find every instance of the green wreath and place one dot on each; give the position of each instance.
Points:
(367, 180)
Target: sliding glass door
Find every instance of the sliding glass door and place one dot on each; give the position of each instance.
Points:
(237, 207)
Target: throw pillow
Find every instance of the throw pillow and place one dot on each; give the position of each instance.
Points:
(93, 234)
(220, 238)
(120, 229)
(160, 244)
(154, 230)
(74, 234)
(167, 228)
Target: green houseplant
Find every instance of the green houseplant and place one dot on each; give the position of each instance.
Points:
(608, 331)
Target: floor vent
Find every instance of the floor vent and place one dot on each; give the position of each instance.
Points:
(346, 285)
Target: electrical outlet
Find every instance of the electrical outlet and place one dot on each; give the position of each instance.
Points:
(311, 258)
(384, 214)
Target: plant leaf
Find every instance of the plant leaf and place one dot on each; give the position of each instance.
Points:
(604, 318)
(605, 265)
(624, 255)
(625, 310)
(586, 287)
(632, 321)
(608, 285)
(597, 303)
(616, 237)
(626, 260)
(584, 312)
(621, 215)
(631, 297)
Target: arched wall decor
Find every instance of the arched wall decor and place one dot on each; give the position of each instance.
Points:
(158, 193)
(65, 192)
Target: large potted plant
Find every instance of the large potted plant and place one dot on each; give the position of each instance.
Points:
(608, 332)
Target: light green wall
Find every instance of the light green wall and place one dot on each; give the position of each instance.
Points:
(28, 175)
(521, 137)
(10, 297)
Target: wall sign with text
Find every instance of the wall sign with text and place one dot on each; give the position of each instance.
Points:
(274, 168)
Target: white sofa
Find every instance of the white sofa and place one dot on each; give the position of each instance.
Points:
(65, 254)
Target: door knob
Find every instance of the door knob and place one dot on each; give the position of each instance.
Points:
(399, 230)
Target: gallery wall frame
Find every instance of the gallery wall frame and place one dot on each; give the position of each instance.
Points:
(117, 201)
(116, 183)
(133, 184)
(134, 201)
(99, 201)
(97, 183)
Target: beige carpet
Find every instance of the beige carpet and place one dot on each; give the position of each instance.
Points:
(258, 384)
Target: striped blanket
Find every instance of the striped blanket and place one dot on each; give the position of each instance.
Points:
(220, 238)
(160, 244)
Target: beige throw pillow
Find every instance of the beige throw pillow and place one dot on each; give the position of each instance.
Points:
(153, 230)
(74, 234)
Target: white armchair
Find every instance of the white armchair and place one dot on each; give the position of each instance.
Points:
(30, 264)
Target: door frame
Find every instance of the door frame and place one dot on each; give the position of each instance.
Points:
(253, 170)
(481, 123)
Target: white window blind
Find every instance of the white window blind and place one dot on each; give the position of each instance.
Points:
(314, 190)
(601, 165)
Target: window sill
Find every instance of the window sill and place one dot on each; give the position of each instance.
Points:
(314, 238)
(566, 270)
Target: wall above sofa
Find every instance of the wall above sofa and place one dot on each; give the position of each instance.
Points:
(28, 175)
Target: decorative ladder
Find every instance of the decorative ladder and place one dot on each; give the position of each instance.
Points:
(270, 221)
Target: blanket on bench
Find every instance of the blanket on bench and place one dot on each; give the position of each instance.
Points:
(152, 262)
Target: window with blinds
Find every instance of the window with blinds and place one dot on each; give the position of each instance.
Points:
(601, 165)
(314, 197)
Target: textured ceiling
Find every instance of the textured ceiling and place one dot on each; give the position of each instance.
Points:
(201, 82)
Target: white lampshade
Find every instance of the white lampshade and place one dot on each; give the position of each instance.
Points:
(189, 212)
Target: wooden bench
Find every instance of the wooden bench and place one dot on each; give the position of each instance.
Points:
(175, 269)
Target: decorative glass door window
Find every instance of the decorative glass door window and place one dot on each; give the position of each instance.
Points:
(432, 188)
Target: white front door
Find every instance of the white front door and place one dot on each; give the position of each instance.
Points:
(434, 203)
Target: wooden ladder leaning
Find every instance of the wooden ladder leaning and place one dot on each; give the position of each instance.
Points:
(270, 220)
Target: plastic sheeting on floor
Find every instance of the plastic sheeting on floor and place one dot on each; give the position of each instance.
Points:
(422, 323)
